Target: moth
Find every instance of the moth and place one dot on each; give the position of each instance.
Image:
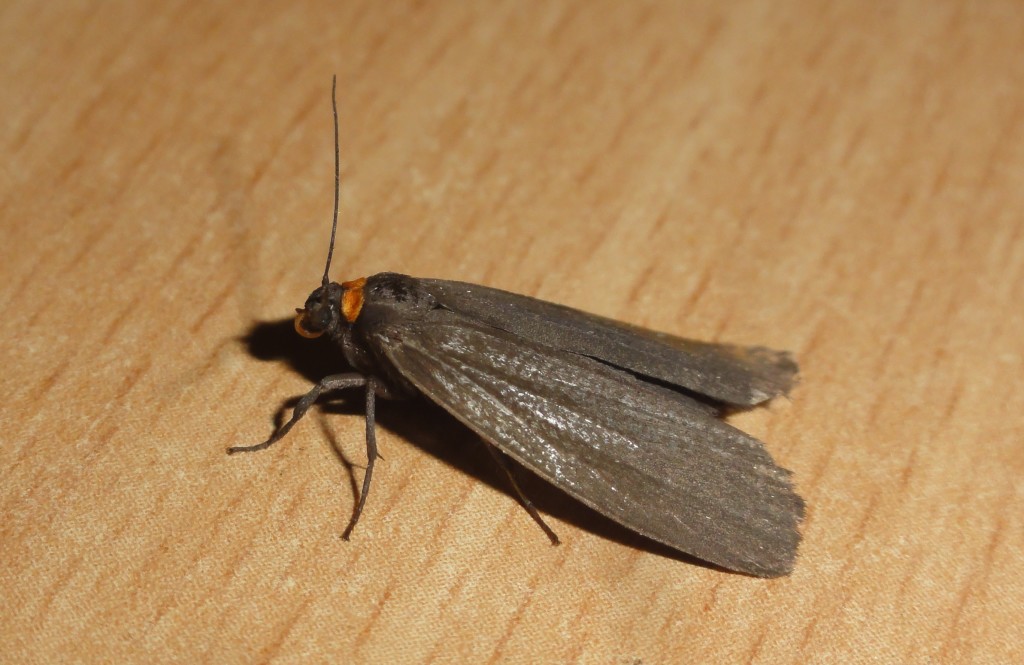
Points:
(624, 419)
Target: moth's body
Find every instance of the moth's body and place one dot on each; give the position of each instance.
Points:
(622, 418)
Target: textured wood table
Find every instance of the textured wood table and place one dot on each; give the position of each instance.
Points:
(842, 179)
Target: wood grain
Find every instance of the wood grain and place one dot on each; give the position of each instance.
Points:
(845, 180)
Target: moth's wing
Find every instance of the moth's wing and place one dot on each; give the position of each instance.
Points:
(738, 375)
(639, 453)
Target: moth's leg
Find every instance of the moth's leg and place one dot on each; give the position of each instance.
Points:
(327, 384)
(371, 451)
(499, 457)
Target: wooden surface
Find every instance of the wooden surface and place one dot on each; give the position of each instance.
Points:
(842, 179)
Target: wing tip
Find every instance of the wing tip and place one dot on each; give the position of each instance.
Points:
(777, 558)
(778, 546)
(780, 374)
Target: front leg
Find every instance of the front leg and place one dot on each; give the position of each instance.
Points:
(327, 384)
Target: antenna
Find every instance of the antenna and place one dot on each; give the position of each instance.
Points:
(337, 176)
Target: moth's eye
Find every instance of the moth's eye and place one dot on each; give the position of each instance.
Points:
(301, 326)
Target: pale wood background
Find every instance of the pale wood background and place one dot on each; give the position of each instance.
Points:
(843, 179)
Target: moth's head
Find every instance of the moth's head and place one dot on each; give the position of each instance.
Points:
(329, 307)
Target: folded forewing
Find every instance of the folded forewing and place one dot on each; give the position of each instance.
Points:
(642, 454)
(734, 374)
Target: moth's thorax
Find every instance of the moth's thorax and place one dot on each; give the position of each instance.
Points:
(366, 308)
